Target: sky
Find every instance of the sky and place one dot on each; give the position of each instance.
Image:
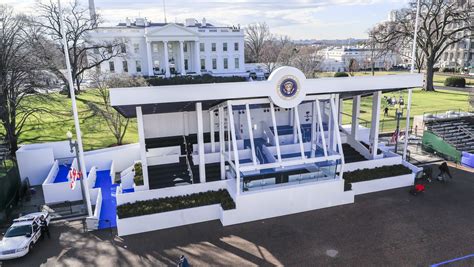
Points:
(299, 19)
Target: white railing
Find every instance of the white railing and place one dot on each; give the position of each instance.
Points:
(52, 173)
(98, 204)
(112, 172)
(92, 177)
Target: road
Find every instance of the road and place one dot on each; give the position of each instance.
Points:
(390, 228)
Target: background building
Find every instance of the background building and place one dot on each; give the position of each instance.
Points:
(174, 48)
(338, 58)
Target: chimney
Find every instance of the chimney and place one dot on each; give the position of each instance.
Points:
(128, 22)
(204, 23)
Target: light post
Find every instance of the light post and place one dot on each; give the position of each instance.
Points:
(398, 113)
(74, 148)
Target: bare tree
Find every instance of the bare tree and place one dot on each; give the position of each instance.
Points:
(278, 51)
(307, 60)
(84, 53)
(352, 66)
(18, 74)
(256, 36)
(116, 123)
(442, 24)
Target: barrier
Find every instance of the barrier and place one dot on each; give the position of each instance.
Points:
(432, 142)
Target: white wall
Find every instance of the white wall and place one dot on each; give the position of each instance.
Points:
(35, 163)
(122, 156)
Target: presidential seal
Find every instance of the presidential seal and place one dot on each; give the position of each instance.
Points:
(288, 87)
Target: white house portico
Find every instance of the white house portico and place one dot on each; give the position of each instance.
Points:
(167, 49)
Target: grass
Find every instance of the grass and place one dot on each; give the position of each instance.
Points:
(52, 125)
(422, 102)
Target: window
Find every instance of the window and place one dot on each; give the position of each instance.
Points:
(237, 63)
(111, 66)
(125, 66)
(214, 63)
(155, 48)
(123, 48)
(236, 46)
(213, 47)
(226, 63)
(136, 48)
(185, 47)
(139, 66)
(224, 47)
(201, 47)
(203, 64)
(186, 64)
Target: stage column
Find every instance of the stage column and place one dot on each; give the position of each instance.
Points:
(355, 116)
(277, 139)
(222, 142)
(314, 145)
(141, 141)
(213, 137)
(200, 137)
(234, 146)
(374, 128)
(249, 125)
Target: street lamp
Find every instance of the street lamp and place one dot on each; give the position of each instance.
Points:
(74, 148)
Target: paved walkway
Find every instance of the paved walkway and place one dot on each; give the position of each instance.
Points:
(388, 228)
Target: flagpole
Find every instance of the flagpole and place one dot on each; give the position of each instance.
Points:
(412, 70)
(80, 159)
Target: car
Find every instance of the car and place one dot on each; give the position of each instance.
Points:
(22, 235)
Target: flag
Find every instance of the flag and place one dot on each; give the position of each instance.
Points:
(74, 175)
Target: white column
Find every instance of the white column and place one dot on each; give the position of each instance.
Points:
(249, 125)
(221, 141)
(197, 58)
(141, 141)
(181, 57)
(149, 58)
(374, 128)
(314, 145)
(321, 128)
(166, 59)
(293, 122)
(200, 137)
(355, 116)
(407, 129)
(277, 140)
(213, 137)
(338, 137)
(234, 146)
(298, 129)
(340, 110)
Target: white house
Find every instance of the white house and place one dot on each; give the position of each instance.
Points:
(174, 48)
(338, 58)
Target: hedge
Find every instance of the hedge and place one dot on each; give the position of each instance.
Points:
(138, 177)
(376, 173)
(455, 82)
(341, 74)
(159, 205)
(157, 81)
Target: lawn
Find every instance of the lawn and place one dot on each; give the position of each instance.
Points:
(52, 125)
(422, 102)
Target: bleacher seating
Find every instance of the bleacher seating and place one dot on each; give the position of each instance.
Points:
(457, 132)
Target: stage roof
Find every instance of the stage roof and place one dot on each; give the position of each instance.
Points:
(178, 98)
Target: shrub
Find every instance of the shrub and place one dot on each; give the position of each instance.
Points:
(376, 173)
(455, 82)
(449, 70)
(138, 177)
(159, 205)
(158, 81)
(341, 74)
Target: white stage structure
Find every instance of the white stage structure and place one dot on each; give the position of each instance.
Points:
(278, 143)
